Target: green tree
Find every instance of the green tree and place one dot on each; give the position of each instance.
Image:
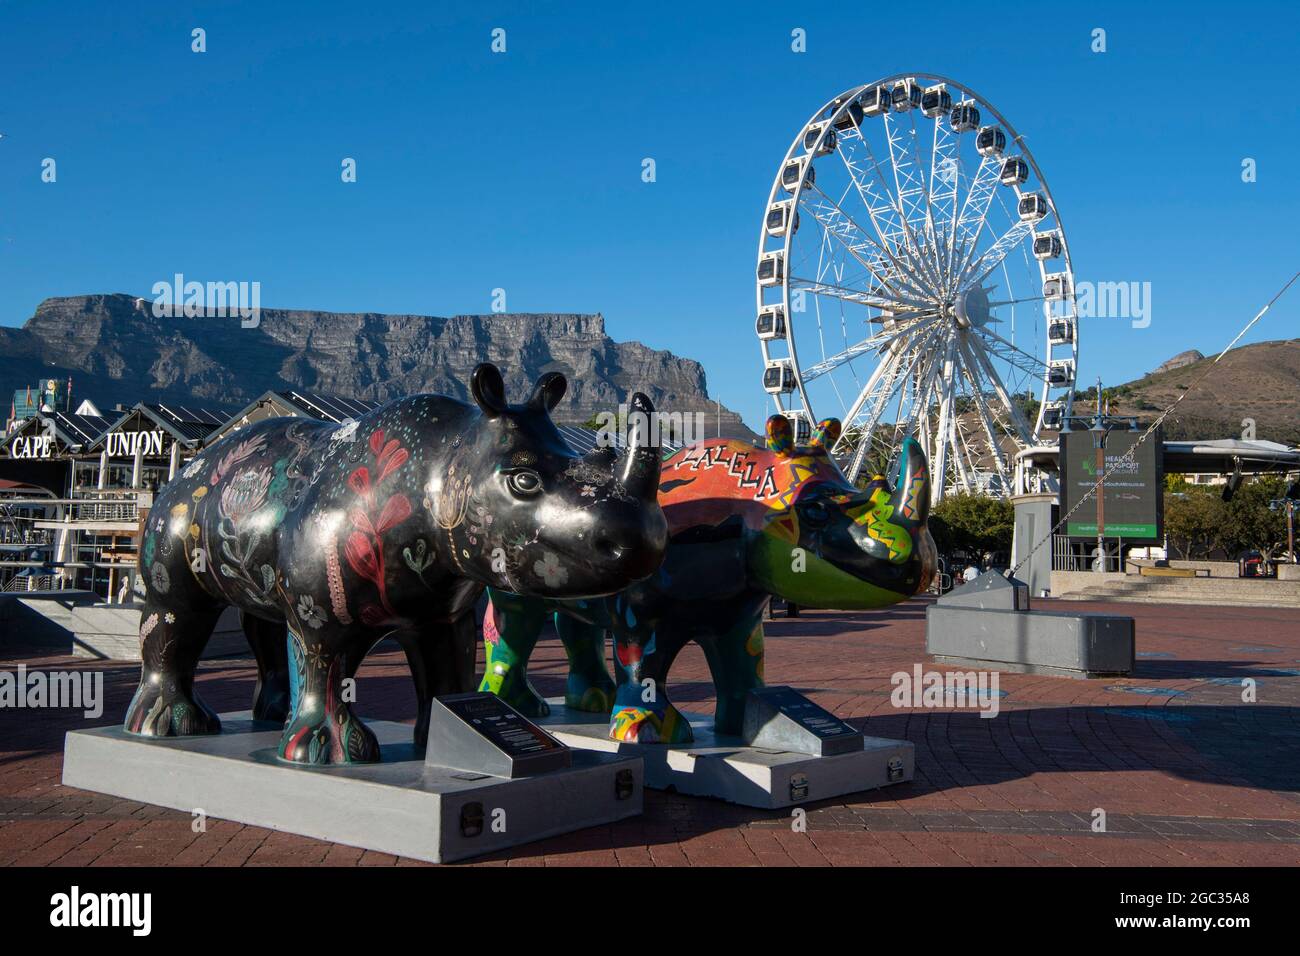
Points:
(1196, 520)
(974, 523)
(1251, 524)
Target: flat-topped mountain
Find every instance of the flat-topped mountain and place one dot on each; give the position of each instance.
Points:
(116, 350)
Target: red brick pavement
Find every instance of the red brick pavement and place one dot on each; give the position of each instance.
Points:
(1186, 772)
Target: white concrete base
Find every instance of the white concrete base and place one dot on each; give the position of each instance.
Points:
(724, 767)
(399, 806)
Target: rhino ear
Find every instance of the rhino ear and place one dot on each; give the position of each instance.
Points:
(780, 435)
(548, 392)
(488, 390)
(826, 434)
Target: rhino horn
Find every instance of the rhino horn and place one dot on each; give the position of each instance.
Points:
(639, 474)
(911, 495)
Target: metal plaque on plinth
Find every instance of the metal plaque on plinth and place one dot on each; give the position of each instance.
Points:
(481, 733)
(780, 718)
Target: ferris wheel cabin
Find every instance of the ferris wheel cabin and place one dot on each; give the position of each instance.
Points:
(771, 322)
(771, 268)
(876, 101)
(990, 141)
(1060, 374)
(1014, 171)
(1032, 207)
(782, 217)
(936, 101)
(906, 96)
(964, 117)
(800, 426)
(799, 169)
(1047, 245)
(1056, 286)
(810, 140)
(778, 377)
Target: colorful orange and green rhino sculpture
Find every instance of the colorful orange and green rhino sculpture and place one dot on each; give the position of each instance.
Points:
(745, 523)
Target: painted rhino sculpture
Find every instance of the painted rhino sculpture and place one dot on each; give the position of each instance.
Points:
(745, 523)
(331, 537)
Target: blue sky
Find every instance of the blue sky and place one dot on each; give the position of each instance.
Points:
(523, 170)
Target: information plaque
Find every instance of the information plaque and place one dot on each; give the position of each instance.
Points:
(481, 733)
(780, 718)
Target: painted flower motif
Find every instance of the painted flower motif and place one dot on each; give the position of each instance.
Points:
(549, 569)
(588, 491)
(310, 613)
(169, 617)
(245, 493)
(159, 578)
(244, 450)
(193, 468)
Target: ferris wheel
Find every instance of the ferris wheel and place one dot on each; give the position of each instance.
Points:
(914, 279)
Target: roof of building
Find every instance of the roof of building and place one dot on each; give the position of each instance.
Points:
(333, 408)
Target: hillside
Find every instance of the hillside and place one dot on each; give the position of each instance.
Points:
(117, 352)
(1259, 381)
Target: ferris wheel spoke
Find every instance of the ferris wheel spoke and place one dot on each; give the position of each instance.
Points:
(946, 385)
(993, 256)
(945, 168)
(1011, 353)
(983, 366)
(880, 339)
(836, 222)
(901, 235)
(878, 202)
(869, 298)
(894, 373)
(985, 415)
(974, 209)
(909, 186)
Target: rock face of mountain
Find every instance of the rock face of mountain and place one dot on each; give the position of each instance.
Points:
(1179, 360)
(116, 350)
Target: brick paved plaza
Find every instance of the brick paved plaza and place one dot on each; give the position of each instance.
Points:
(1186, 773)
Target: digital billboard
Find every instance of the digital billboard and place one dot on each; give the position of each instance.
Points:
(1133, 504)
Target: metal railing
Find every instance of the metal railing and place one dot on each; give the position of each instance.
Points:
(1080, 554)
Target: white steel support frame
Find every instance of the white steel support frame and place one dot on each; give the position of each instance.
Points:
(911, 237)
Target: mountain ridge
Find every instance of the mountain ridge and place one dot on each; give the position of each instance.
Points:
(118, 351)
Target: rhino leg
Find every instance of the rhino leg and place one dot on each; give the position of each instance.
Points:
(642, 712)
(172, 636)
(735, 660)
(322, 729)
(269, 642)
(441, 656)
(510, 631)
(589, 686)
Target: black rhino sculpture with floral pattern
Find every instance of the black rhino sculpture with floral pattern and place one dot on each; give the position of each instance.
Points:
(331, 537)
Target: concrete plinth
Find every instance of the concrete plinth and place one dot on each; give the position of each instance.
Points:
(724, 767)
(988, 624)
(399, 806)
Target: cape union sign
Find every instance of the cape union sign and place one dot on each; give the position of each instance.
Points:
(126, 444)
(32, 446)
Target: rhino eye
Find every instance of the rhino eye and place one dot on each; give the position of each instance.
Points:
(816, 513)
(524, 483)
